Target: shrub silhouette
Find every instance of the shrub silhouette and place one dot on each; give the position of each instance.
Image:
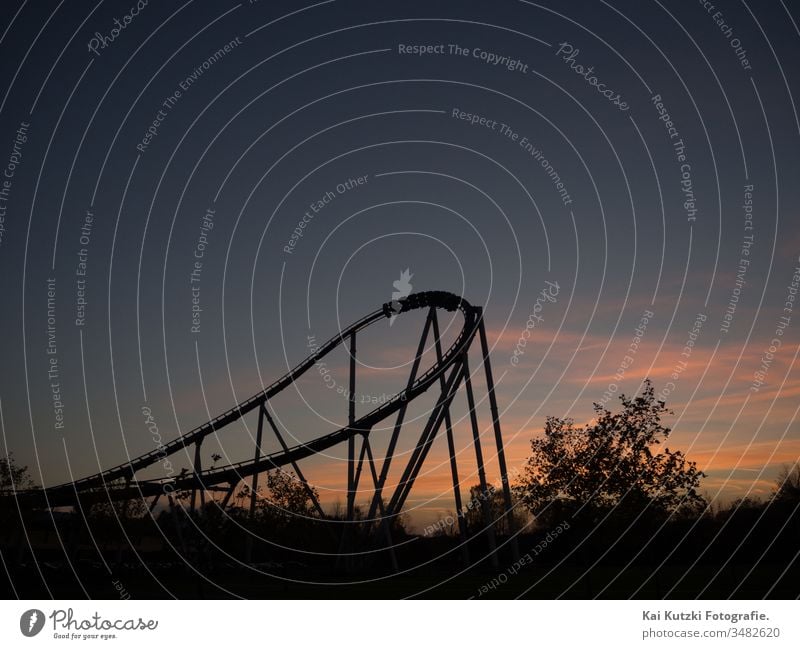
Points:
(613, 463)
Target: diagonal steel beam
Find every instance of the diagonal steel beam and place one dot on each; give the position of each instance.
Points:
(259, 437)
(228, 495)
(498, 437)
(351, 418)
(359, 466)
(400, 416)
(426, 439)
(197, 469)
(476, 438)
(384, 523)
(451, 447)
(301, 477)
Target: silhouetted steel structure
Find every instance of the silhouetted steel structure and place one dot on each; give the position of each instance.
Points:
(449, 372)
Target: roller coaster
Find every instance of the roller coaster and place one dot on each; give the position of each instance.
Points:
(449, 372)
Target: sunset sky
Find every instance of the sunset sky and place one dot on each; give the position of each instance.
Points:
(466, 142)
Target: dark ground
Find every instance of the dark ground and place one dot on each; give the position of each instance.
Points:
(685, 560)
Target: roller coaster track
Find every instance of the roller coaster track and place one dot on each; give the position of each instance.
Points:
(450, 371)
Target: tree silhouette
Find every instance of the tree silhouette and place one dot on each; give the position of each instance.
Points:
(504, 521)
(13, 476)
(610, 463)
(787, 485)
(289, 496)
(284, 499)
(121, 510)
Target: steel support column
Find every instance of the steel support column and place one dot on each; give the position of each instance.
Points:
(476, 438)
(259, 437)
(197, 469)
(384, 522)
(400, 417)
(451, 447)
(498, 437)
(228, 495)
(351, 442)
(426, 440)
(295, 466)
